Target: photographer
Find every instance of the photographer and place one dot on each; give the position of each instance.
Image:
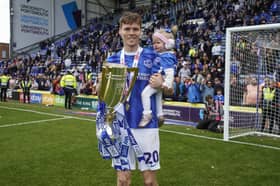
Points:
(212, 115)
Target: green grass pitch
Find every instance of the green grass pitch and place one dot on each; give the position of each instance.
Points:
(47, 146)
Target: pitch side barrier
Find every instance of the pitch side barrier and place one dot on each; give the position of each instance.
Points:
(181, 113)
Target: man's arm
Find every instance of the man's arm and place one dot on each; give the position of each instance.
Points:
(156, 81)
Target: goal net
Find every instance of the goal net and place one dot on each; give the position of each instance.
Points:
(252, 74)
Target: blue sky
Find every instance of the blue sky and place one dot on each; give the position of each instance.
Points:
(4, 21)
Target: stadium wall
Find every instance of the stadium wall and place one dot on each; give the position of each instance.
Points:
(36, 20)
(181, 113)
(4, 51)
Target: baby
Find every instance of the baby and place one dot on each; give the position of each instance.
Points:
(163, 43)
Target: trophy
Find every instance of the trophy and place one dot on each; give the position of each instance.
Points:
(114, 90)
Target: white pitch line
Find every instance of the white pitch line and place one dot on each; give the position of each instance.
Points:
(218, 139)
(32, 122)
(33, 111)
(85, 119)
(163, 130)
(44, 113)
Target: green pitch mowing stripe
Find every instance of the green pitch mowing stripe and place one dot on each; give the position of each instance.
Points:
(219, 139)
(64, 153)
(32, 122)
(200, 161)
(14, 116)
(32, 111)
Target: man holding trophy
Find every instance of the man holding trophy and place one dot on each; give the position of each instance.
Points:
(124, 77)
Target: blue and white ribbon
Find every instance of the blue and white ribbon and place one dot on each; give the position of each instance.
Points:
(116, 148)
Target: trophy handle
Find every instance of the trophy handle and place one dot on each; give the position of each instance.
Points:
(102, 88)
(133, 70)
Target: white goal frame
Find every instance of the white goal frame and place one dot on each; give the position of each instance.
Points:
(228, 54)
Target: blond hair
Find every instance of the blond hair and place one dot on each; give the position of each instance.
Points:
(164, 33)
(166, 38)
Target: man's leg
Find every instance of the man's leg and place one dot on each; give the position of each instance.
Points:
(66, 93)
(1, 92)
(5, 94)
(271, 120)
(150, 178)
(264, 113)
(65, 97)
(66, 100)
(28, 96)
(24, 96)
(213, 126)
(70, 99)
(123, 178)
(203, 124)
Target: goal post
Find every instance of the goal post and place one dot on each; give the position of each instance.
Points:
(252, 63)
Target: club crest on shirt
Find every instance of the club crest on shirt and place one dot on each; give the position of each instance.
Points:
(148, 63)
(157, 61)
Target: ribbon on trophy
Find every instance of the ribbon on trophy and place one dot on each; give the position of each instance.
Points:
(116, 148)
(113, 133)
(108, 146)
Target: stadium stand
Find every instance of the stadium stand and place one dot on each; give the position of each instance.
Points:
(200, 41)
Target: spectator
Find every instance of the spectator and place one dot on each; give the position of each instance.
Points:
(25, 85)
(184, 89)
(176, 88)
(235, 66)
(236, 91)
(4, 85)
(194, 95)
(13, 83)
(218, 85)
(208, 77)
(251, 93)
(197, 77)
(43, 82)
(212, 116)
(185, 71)
(219, 97)
(89, 88)
(69, 85)
(206, 90)
(216, 50)
(56, 88)
(268, 105)
(34, 84)
(197, 65)
(67, 63)
(192, 53)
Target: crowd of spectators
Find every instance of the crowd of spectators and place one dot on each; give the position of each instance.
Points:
(200, 44)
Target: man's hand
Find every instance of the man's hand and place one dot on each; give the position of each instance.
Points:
(156, 80)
